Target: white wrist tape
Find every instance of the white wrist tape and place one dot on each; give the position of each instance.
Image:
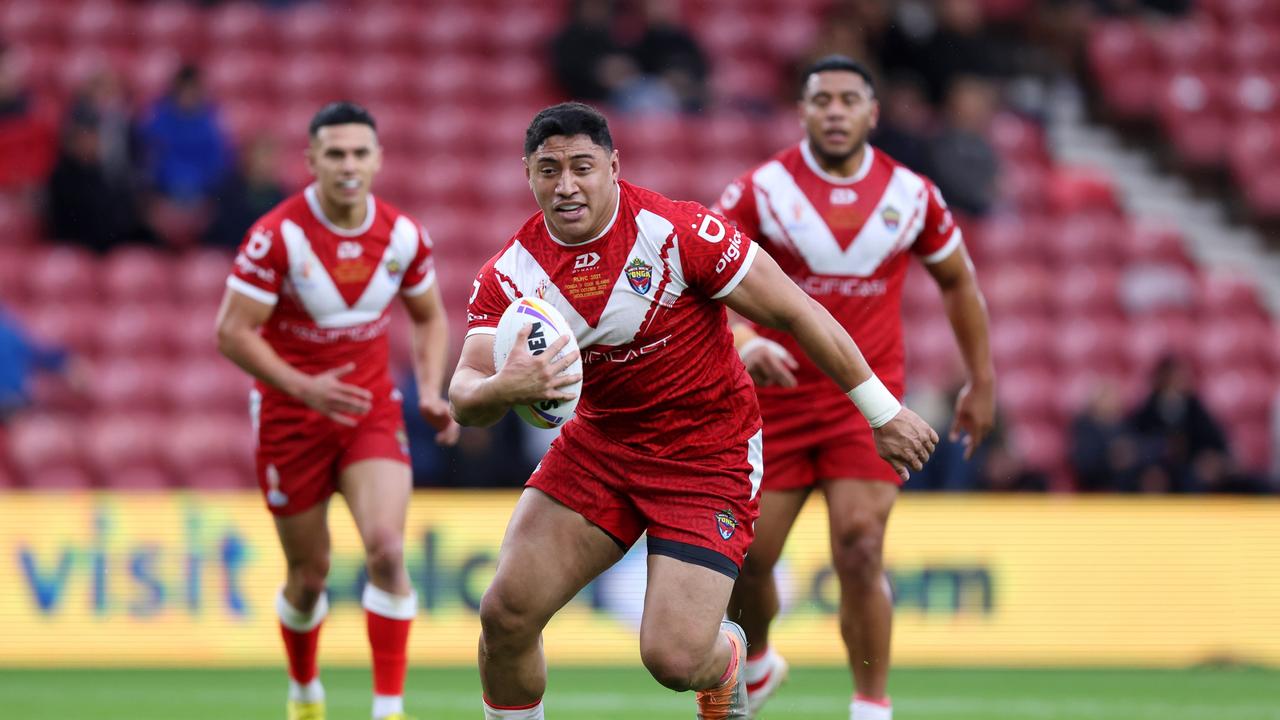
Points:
(876, 403)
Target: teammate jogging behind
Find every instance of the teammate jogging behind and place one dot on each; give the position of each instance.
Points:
(843, 220)
(666, 439)
(306, 314)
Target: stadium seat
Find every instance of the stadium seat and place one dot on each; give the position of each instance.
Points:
(204, 385)
(136, 331)
(122, 451)
(234, 76)
(240, 26)
(46, 452)
(1093, 239)
(1230, 343)
(310, 28)
(1243, 395)
(1028, 395)
(152, 72)
(101, 23)
(126, 384)
(172, 26)
(1124, 62)
(1022, 342)
(1073, 190)
(1156, 244)
(1086, 291)
(382, 28)
(1251, 446)
(137, 274)
(450, 30)
(1193, 45)
(34, 21)
(209, 452)
(308, 81)
(1041, 445)
(523, 29)
(70, 325)
(1227, 295)
(1089, 343)
(199, 277)
(1017, 290)
(1151, 338)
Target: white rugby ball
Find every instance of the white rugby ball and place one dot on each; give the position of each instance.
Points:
(546, 326)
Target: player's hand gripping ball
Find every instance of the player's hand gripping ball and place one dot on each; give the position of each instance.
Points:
(546, 326)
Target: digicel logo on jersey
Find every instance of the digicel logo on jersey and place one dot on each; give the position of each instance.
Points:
(713, 231)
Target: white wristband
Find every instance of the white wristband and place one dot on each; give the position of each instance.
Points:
(876, 403)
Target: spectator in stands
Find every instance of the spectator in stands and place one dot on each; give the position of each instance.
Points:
(84, 205)
(944, 42)
(21, 357)
(185, 150)
(1181, 445)
(103, 99)
(583, 49)
(15, 98)
(632, 91)
(905, 127)
(1103, 451)
(667, 51)
(247, 194)
(964, 164)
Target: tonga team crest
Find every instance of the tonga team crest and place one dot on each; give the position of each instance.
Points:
(640, 275)
(726, 523)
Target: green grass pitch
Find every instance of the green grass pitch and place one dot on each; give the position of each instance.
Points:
(629, 694)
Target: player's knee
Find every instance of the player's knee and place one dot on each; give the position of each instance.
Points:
(674, 667)
(306, 580)
(859, 548)
(384, 555)
(504, 617)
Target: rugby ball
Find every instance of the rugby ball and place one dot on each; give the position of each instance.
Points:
(546, 326)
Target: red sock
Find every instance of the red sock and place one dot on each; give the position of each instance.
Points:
(389, 618)
(301, 648)
(301, 633)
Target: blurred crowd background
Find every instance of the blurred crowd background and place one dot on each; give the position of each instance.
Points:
(1112, 162)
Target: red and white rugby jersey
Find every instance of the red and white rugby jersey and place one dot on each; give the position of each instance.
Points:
(660, 371)
(846, 242)
(331, 287)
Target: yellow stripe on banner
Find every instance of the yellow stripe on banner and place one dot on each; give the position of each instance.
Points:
(179, 579)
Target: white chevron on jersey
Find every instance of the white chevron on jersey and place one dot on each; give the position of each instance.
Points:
(626, 309)
(804, 230)
(312, 285)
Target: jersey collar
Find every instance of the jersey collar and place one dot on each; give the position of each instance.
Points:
(617, 204)
(313, 202)
(812, 162)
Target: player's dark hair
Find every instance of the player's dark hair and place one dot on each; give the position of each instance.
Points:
(341, 113)
(568, 119)
(842, 63)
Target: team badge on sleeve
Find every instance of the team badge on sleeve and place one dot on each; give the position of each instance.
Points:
(726, 523)
(640, 275)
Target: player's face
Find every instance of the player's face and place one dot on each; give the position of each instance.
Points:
(344, 159)
(575, 183)
(839, 112)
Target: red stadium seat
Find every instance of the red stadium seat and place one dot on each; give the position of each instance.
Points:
(1262, 192)
(203, 385)
(1254, 48)
(728, 136)
(139, 330)
(241, 26)
(787, 34)
(123, 451)
(1251, 446)
(1088, 239)
(234, 76)
(173, 25)
(1156, 244)
(135, 274)
(1084, 291)
(1028, 395)
(34, 21)
(1013, 290)
(126, 385)
(1230, 344)
(46, 452)
(450, 30)
(446, 80)
(152, 72)
(1244, 396)
(200, 276)
(101, 23)
(311, 80)
(1073, 190)
(1020, 343)
(1194, 45)
(210, 452)
(1149, 339)
(384, 28)
(69, 325)
(523, 29)
(1093, 344)
(1018, 140)
(1011, 240)
(1230, 296)
(1041, 445)
(308, 28)
(1124, 62)
(1254, 147)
